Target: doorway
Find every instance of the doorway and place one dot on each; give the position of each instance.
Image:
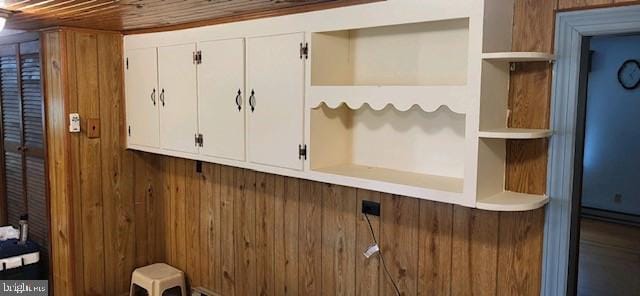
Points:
(605, 243)
(574, 29)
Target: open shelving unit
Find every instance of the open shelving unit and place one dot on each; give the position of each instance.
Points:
(413, 148)
(494, 131)
(399, 65)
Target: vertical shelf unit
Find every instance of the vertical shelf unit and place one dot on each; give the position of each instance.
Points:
(497, 64)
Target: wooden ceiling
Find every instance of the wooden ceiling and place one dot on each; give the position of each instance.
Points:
(133, 16)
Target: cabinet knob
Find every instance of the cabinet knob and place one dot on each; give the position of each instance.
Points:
(153, 96)
(162, 97)
(239, 100)
(252, 100)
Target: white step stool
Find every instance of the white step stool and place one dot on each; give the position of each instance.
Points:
(158, 278)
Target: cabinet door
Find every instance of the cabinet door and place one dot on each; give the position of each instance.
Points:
(275, 74)
(220, 98)
(141, 78)
(178, 98)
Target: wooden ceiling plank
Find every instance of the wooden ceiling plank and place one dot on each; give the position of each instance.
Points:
(53, 15)
(137, 18)
(48, 7)
(155, 15)
(85, 8)
(15, 5)
(200, 13)
(40, 3)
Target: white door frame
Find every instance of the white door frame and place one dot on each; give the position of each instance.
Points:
(570, 28)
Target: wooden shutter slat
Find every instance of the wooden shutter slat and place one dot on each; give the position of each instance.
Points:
(36, 199)
(14, 188)
(31, 101)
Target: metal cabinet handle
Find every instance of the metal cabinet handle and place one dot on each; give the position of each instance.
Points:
(252, 100)
(153, 96)
(239, 100)
(162, 97)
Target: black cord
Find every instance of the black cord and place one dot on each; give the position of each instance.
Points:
(384, 265)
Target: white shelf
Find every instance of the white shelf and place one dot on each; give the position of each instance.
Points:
(516, 57)
(515, 133)
(512, 201)
(428, 98)
(439, 183)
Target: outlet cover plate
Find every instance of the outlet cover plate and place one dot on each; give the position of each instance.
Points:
(371, 208)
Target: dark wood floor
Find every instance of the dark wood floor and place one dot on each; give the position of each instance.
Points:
(609, 259)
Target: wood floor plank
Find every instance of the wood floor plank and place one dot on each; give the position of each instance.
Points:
(400, 218)
(265, 233)
(434, 259)
(338, 240)
(367, 269)
(310, 239)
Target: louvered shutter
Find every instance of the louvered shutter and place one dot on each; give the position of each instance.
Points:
(12, 131)
(32, 110)
(23, 138)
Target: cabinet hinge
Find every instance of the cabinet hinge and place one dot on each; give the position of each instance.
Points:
(199, 140)
(197, 57)
(302, 151)
(127, 63)
(304, 50)
(129, 131)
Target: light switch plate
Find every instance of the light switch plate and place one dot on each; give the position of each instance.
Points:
(74, 122)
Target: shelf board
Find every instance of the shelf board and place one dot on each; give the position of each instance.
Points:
(509, 201)
(515, 133)
(440, 183)
(516, 57)
(428, 98)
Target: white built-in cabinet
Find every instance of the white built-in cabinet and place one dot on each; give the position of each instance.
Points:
(234, 99)
(275, 93)
(178, 98)
(222, 97)
(406, 97)
(141, 79)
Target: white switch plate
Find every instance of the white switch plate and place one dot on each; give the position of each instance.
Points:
(74, 123)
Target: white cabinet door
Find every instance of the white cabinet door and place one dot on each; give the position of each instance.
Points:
(275, 96)
(178, 98)
(141, 87)
(221, 93)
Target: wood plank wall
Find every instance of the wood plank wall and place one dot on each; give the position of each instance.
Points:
(94, 213)
(240, 232)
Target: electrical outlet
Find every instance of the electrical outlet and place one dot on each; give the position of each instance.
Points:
(371, 208)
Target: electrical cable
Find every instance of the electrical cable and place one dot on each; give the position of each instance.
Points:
(384, 265)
